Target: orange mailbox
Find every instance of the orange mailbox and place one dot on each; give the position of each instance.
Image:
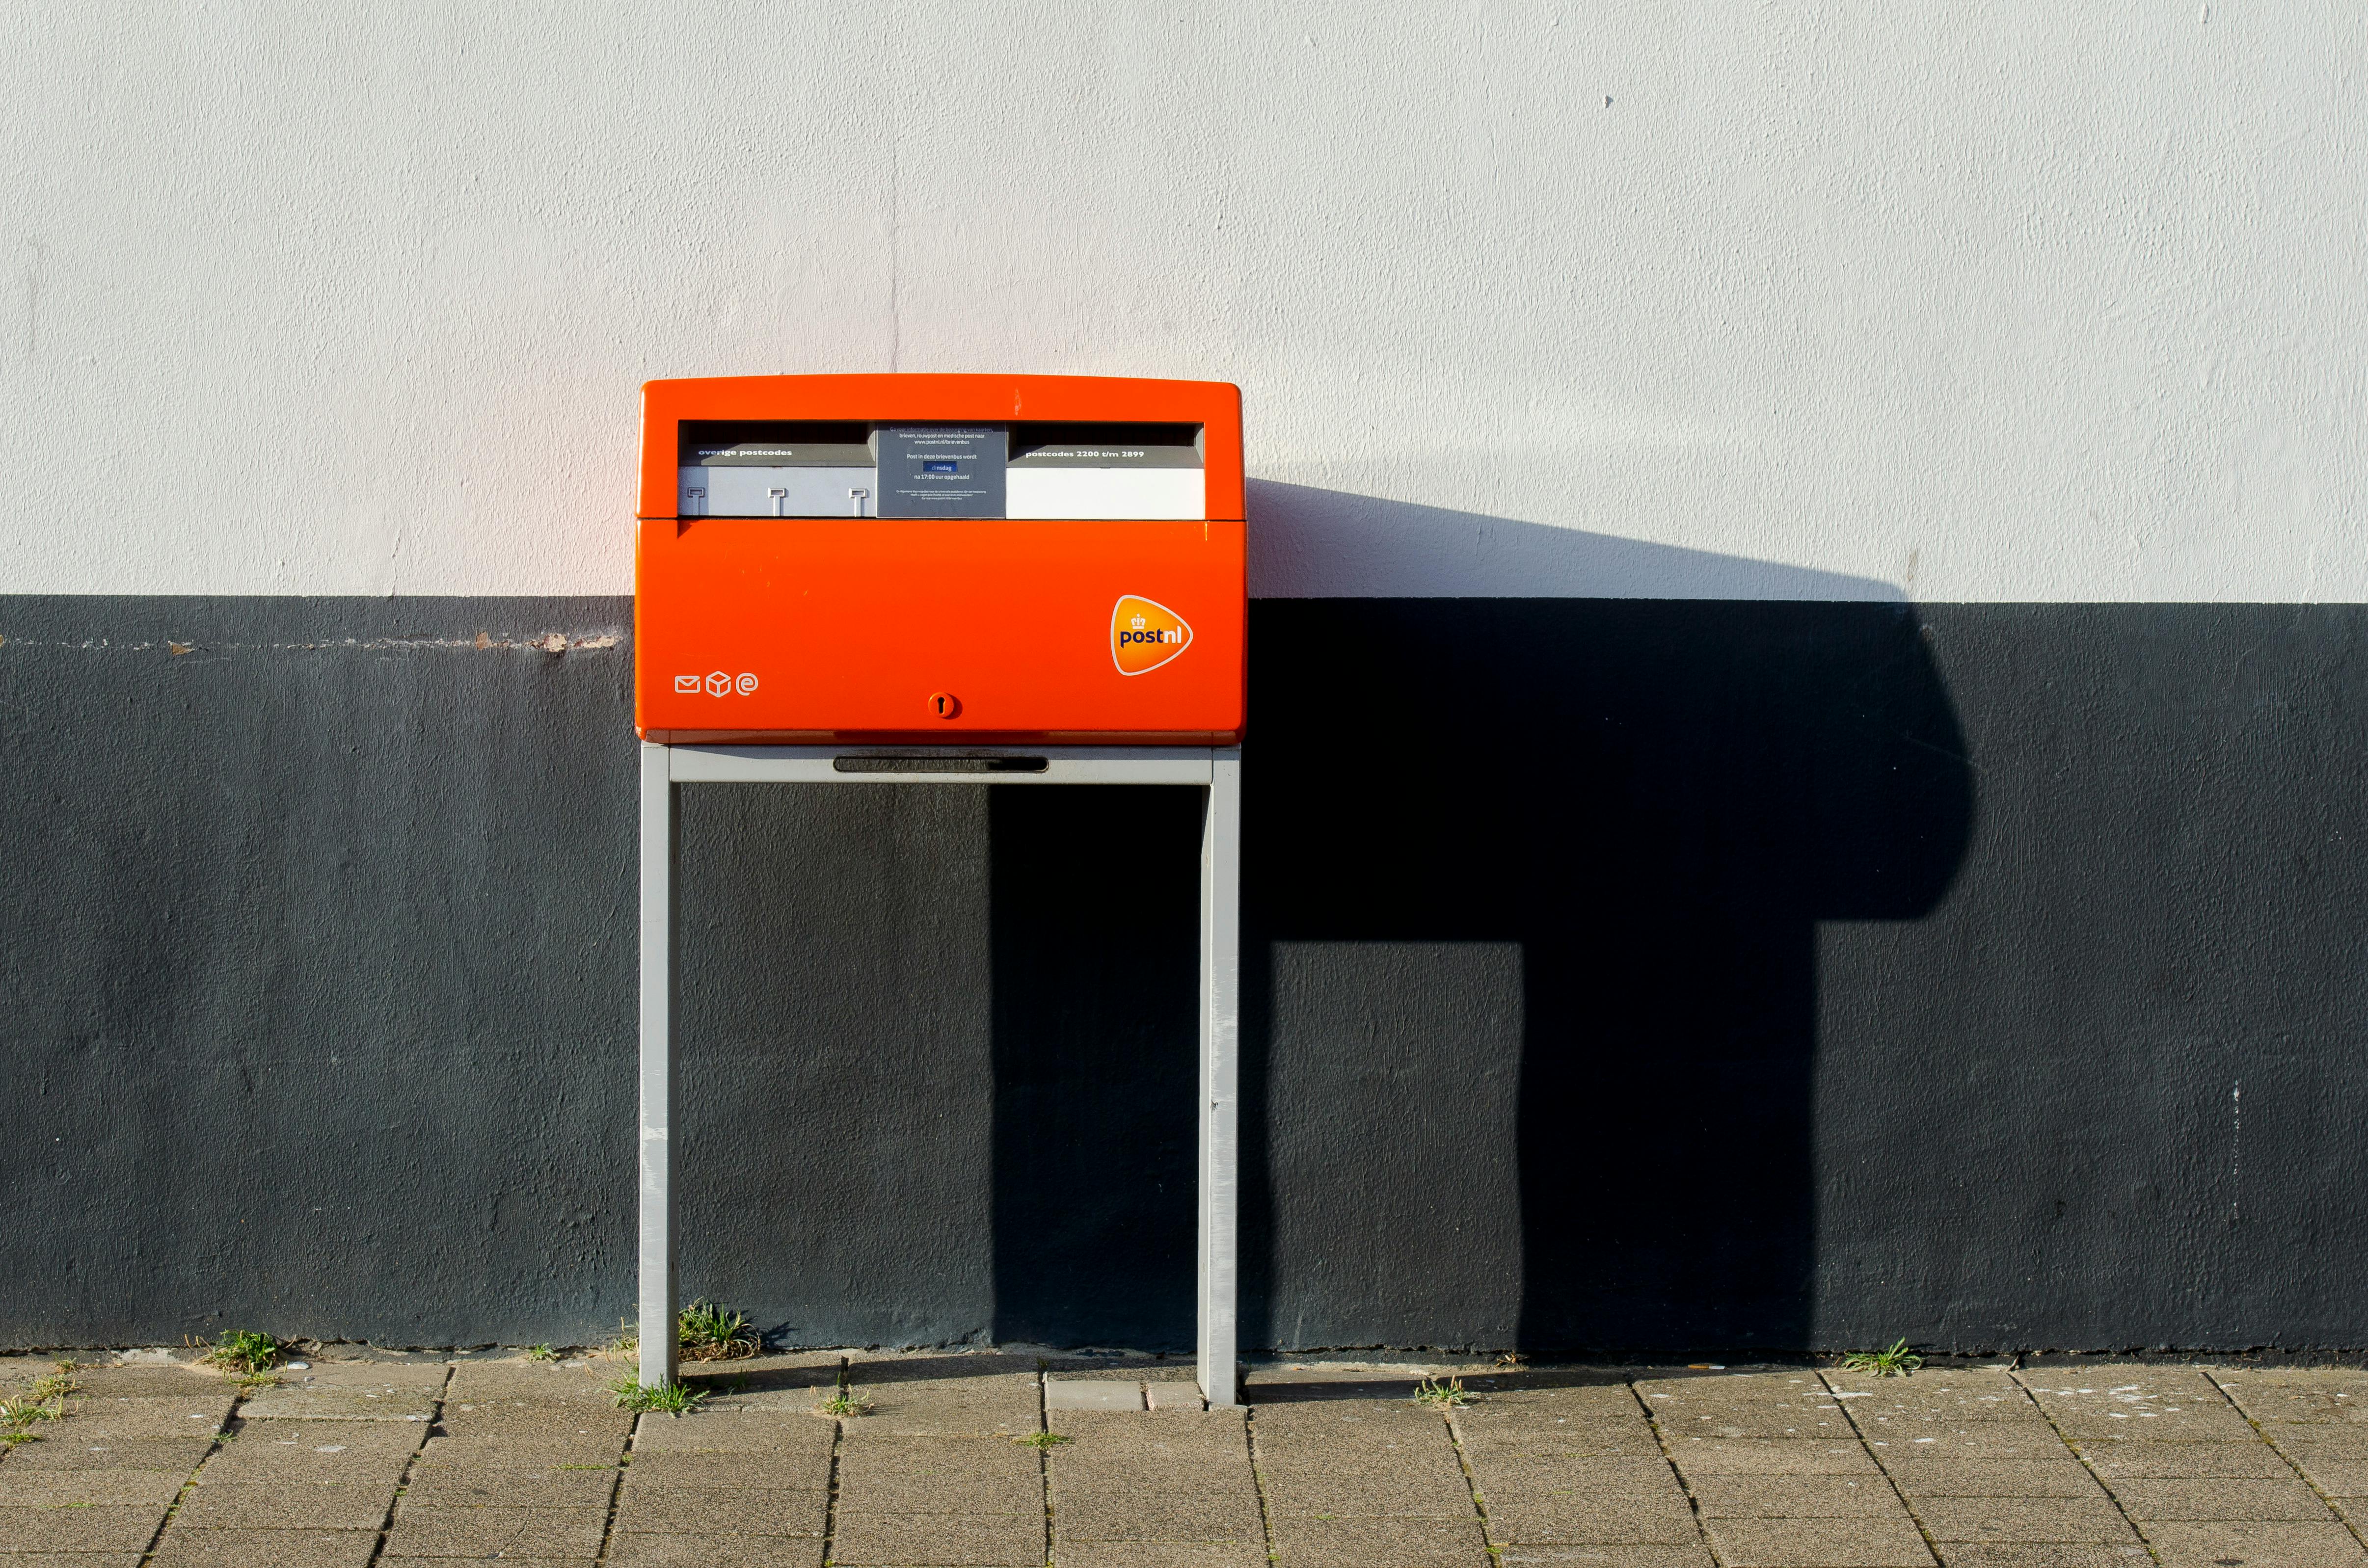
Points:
(940, 560)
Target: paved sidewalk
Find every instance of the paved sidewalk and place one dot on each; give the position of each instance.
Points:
(993, 1461)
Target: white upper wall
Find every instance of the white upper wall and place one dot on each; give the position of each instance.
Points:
(2018, 300)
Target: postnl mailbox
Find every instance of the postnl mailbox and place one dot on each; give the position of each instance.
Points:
(940, 560)
(938, 581)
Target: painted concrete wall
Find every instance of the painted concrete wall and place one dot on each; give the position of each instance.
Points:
(2017, 301)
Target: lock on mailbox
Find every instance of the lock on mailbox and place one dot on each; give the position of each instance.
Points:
(833, 559)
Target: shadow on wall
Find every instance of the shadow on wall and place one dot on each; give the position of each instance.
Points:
(1311, 543)
(1531, 886)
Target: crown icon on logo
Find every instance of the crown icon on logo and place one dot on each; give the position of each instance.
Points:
(1136, 623)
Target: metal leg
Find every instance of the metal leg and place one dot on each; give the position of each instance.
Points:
(1221, 990)
(658, 1226)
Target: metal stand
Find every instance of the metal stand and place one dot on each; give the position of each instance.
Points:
(1217, 770)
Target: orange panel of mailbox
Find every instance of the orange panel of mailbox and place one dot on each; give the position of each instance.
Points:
(940, 560)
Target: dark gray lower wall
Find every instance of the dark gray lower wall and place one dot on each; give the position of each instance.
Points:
(1622, 976)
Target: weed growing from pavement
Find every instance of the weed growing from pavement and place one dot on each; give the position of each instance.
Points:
(244, 1350)
(1447, 1395)
(1043, 1439)
(704, 1332)
(17, 1416)
(1895, 1362)
(666, 1398)
(542, 1353)
(710, 1332)
(845, 1403)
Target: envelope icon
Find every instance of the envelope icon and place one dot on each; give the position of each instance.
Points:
(687, 684)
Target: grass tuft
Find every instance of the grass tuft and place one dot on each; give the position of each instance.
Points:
(1447, 1395)
(244, 1350)
(845, 1403)
(666, 1398)
(1895, 1362)
(710, 1332)
(1041, 1439)
(704, 1332)
(542, 1353)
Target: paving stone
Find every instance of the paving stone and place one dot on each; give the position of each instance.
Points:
(2256, 1545)
(711, 1432)
(944, 1493)
(250, 1504)
(1310, 1493)
(1896, 1428)
(2300, 1406)
(536, 1454)
(82, 1488)
(542, 1382)
(945, 1406)
(1160, 1516)
(1163, 1554)
(1514, 1478)
(1952, 1398)
(2311, 1444)
(2219, 1499)
(328, 1451)
(78, 1528)
(152, 1381)
(940, 1476)
(1701, 1456)
(186, 1548)
(1166, 1432)
(1949, 1476)
(374, 1376)
(1654, 1521)
(1095, 1394)
(1173, 1396)
(2339, 1478)
(2156, 1404)
(714, 1551)
(458, 1488)
(2022, 1518)
(1315, 1385)
(2046, 1554)
(1796, 1498)
(2185, 1462)
(1379, 1543)
(1570, 1392)
(73, 1560)
(65, 1449)
(1817, 1543)
(767, 1467)
(1518, 1434)
(1615, 1556)
(91, 1420)
(709, 1510)
(550, 1419)
(937, 1540)
(1981, 1439)
(1752, 1404)
(496, 1532)
(341, 1403)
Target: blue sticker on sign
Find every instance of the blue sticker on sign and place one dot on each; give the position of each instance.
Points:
(940, 468)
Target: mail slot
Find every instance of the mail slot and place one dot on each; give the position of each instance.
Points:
(940, 560)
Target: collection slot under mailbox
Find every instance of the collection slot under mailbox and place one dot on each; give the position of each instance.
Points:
(1023, 471)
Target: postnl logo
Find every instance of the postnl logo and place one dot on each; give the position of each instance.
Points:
(1146, 634)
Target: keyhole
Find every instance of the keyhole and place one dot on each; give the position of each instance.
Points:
(944, 704)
